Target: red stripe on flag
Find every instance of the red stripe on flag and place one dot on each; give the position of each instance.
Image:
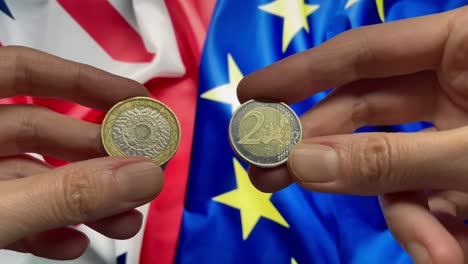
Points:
(191, 22)
(99, 18)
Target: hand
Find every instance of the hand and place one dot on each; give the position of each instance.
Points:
(39, 203)
(393, 73)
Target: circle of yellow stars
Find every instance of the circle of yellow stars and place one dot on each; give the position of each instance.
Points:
(252, 203)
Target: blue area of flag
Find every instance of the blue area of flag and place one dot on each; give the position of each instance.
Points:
(122, 259)
(4, 8)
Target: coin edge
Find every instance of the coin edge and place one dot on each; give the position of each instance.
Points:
(240, 155)
(136, 98)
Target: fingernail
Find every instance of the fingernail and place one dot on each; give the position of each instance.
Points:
(139, 181)
(418, 253)
(314, 163)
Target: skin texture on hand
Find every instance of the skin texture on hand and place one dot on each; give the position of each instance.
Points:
(40, 203)
(399, 72)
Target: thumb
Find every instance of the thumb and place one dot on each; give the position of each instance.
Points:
(377, 163)
(76, 193)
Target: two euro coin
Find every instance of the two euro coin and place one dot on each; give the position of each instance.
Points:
(263, 133)
(141, 126)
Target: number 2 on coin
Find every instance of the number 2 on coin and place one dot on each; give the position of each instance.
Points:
(259, 119)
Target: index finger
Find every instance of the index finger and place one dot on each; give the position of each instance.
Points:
(383, 50)
(25, 71)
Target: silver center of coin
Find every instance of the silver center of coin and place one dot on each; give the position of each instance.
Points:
(141, 131)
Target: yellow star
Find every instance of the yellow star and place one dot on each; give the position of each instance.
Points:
(350, 3)
(380, 9)
(252, 203)
(226, 93)
(379, 3)
(293, 261)
(294, 13)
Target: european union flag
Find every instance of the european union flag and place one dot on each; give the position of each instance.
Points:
(226, 220)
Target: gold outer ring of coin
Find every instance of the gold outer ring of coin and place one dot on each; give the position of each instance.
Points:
(240, 154)
(108, 142)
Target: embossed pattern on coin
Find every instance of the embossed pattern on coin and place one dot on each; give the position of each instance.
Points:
(263, 133)
(141, 126)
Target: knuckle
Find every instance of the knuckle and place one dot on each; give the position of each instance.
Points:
(22, 81)
(80, 196)
(372, 161)
(360, 112)
(12, 167)
(365, 55)
(83, 74)
(18, 168)
(28, 131)
(78, 80)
